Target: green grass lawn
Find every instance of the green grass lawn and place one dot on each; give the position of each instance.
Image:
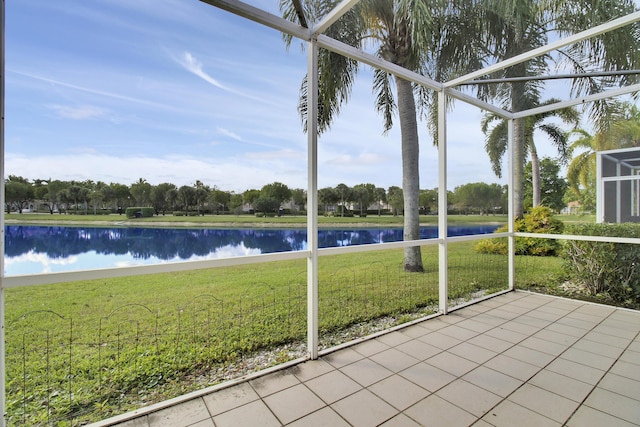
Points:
(88, 350)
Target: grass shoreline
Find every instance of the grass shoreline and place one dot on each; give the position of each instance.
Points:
(240, 221)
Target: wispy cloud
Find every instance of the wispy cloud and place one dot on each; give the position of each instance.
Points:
(93, 91)
(230, 134)
(190, 63)
(275, 155)
(82, 112)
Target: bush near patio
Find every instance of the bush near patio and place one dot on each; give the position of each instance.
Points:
(539, 220)
(608, 271)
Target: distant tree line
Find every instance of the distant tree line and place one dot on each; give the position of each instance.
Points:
(91, 197)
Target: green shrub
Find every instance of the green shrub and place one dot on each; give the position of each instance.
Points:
(139, 212)
(538, 220)
(605, 269)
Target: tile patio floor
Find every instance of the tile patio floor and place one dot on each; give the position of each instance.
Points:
(519, 359)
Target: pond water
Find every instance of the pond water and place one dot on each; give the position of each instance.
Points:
(41, 249)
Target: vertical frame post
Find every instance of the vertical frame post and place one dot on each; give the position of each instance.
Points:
(2, 198)
(3, 382)
(312, 199)
(443, 267)
(511, 203)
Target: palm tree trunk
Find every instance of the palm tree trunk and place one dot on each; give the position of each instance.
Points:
(535, 175)
(410, 173)
(517, 97)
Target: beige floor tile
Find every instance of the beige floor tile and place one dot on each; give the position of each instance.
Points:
(626, 369)
(204, 423)
(393, 339)
(399, 392)
(458, 332)
(616, 332)
(556, 337)
(544, 402)
(474, 325)
(575, 370)
(605, 350)
(440, 340)
(510, 414)
(521, 328)
(342, 357)
(589, 417)
(229, 398)
(543, 346)
(333, 386)
(576, 323)
(561, 385)
(588, 358)
(490, 343)
(472, 352)
(415, 331)
(628, 324)
(451, 363)
(364, 409)
(607, 339)
(400, 420)
(136, 422)
(615, 404)
(493, 381)
(183, 414)
(506, 335)
(394, 360)
(632, 357)
(274, 383)
(325, 417)
(435, 411)
(427, 376)
(419, 349)
(366, 372)
(534, 322)
(566, 330)
(310, 369)
(547, 315)
(250, 415)
(435, 324)
(512, 367)
(293, 403)
(370, 347)
(469, 396)
(621, 385)
(529, 355)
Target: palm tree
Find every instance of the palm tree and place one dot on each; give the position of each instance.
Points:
(497, 139)
(408, 33)
(621, 129)
(513, 27)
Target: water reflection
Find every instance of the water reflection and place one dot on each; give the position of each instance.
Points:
(37, 249)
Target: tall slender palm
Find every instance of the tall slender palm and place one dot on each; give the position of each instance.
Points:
(497, 139)
(513, 27)
(409, 33)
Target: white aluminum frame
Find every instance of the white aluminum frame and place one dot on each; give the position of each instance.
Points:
(315, 39)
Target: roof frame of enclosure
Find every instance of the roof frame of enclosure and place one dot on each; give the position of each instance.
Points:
(312, 33)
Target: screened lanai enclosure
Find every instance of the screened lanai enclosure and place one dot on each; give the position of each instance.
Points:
(618, 191)
(110, 358)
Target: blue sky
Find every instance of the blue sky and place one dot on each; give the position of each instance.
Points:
(178, 91)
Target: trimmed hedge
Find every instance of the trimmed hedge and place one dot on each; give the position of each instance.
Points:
(607, 270)
(139, 212)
